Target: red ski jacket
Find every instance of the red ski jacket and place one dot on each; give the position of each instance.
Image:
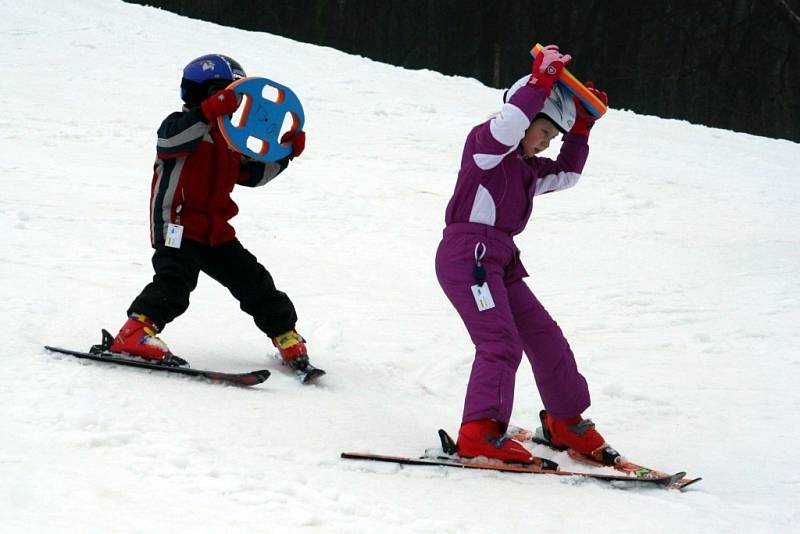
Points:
(193, 177)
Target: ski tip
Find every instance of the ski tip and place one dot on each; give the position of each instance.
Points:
(261, 375)
(251, 378)
(254, 378)
(674, 479)
(681, 486)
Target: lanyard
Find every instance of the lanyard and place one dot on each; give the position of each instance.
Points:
(479, 272)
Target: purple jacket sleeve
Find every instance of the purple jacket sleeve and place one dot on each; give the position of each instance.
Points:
(564, 171)
(498, 137)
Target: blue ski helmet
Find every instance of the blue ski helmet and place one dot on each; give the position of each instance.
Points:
(207, 74)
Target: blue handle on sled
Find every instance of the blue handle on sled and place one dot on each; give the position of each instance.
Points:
(257, 130)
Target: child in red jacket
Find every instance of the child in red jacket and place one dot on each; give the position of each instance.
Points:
(190, 206)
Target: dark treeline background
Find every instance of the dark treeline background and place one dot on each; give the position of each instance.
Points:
(732, 64)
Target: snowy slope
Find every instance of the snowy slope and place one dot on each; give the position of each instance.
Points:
(673, 267)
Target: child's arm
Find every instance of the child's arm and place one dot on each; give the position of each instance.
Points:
(180, 133)
(498, 137)
(254, 173)
(565, 171)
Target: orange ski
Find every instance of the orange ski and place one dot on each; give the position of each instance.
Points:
(566, 79)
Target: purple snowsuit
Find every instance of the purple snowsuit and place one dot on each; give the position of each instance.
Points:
(492, 202)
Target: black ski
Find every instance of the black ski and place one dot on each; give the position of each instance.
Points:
(99, 353)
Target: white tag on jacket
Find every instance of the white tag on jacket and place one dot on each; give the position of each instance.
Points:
(483, 297)
(174, 235)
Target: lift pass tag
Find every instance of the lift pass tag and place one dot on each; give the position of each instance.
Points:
(174, 235)
(483, 298)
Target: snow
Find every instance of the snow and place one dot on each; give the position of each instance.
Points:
(673, 267)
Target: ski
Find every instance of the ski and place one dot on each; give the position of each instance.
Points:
(307, 375)
(99, 353)
(667, 481)
(541, 466)
(630, 469)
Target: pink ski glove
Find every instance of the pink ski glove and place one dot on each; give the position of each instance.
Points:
(547, 65)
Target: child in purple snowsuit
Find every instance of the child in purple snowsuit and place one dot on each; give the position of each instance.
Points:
(479, 268)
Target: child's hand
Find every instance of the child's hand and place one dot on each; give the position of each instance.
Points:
(583, 119)
(298, 142)
(546, 67)
(223, 102)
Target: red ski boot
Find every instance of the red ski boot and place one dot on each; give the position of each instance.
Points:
(137, 337)
(484, 438)
(292, 348)
(578, 434)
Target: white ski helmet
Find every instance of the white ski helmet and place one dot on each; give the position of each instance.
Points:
(558, 107)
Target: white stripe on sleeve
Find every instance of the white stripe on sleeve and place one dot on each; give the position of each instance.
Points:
(509, 126)
(556, 182)
(489, 161)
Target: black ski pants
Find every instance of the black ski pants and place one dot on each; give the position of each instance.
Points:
(230, 264)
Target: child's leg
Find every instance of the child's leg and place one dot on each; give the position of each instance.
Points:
(167, 296)
(563, 389)
(234, 267)
(490, 392)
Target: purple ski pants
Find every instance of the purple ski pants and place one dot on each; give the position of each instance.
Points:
(517, 322)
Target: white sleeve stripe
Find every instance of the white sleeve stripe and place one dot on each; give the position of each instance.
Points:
(487, 161)
(195, 131)
(271, 170)
(556, 182)
(490, 161)
(509, 126)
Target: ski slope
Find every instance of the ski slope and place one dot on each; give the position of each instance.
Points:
(673, 268)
